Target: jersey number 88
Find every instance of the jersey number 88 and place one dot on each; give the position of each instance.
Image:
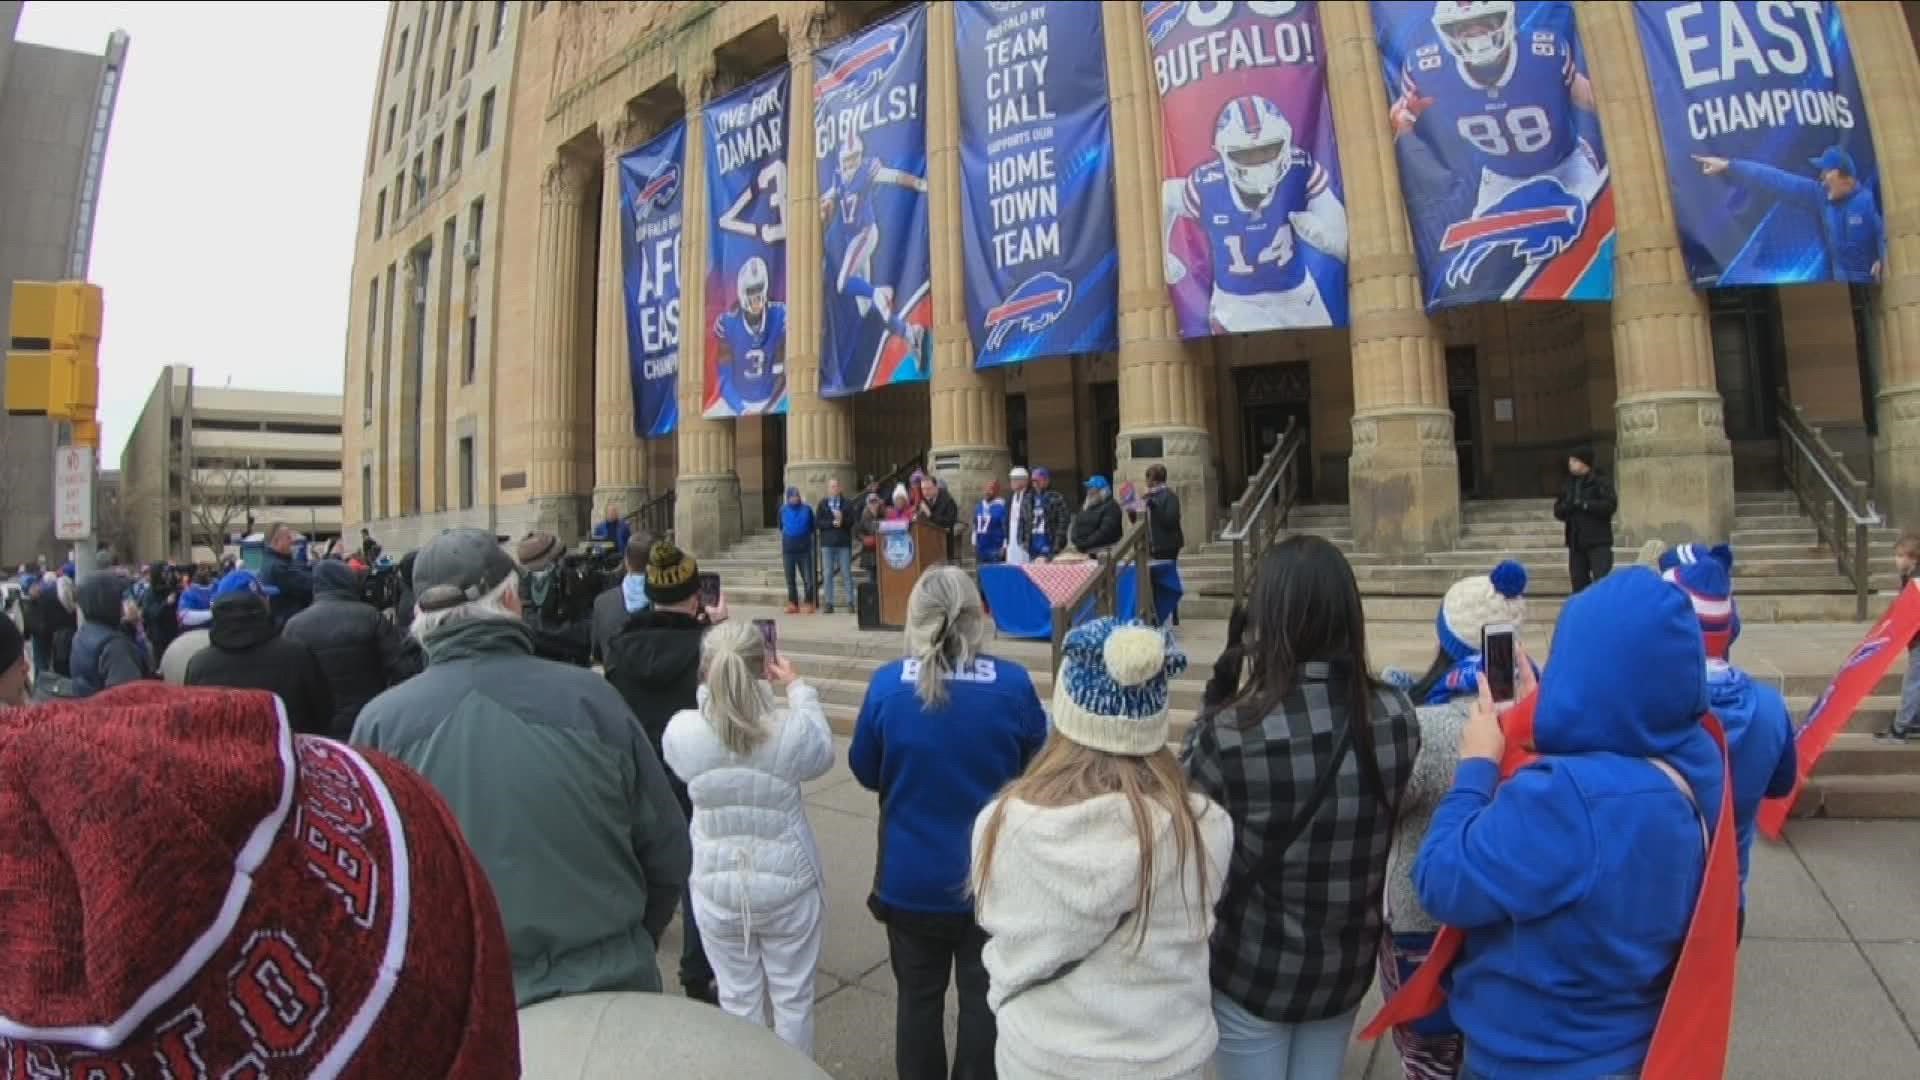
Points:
(1525, 130)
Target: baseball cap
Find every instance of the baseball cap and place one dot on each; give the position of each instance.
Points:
(1017, 473)
(1835, 158)
(1101, 483)
(242, 581)
(458, 566)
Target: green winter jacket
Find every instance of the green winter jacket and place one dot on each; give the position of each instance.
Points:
(560, 796)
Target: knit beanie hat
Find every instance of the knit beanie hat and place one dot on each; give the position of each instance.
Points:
(1474, 603)
(672, 574)
(190, 882)
(1705, 574)
(1111, 693)
(1583, 455)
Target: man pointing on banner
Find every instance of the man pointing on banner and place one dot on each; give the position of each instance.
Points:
(1849, 217)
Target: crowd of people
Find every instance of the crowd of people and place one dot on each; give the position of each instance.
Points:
(1549, 887)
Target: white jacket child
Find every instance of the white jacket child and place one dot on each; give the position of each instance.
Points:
(1062, 879)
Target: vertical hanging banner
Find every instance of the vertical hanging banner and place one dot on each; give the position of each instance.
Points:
(870, 149)
(746, 133)
(1036, 181)
(1501, 162)
(650, 219)
(1769, 157)
(1255, 217)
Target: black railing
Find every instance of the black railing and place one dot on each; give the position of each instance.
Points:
(1260, 515)
(654, 518)
(1104, 587)
(897, 475)
(1839, 502)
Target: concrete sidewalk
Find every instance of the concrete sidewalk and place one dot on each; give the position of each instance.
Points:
(1829, 976)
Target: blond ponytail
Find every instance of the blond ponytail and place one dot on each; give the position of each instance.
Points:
(945, 628)
(732, 659)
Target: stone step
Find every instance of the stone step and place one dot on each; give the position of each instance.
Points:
(1858, 753)
(1853, 796)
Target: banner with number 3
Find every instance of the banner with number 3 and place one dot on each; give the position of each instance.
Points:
(746, 144)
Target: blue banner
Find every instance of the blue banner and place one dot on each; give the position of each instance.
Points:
(1769, 157)
(1036, 181)
(650, 202)
(870, 149)
(746, 142)
(1501, 162)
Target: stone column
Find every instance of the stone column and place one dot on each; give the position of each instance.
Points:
(706, 509)
(1890, 80)
(1163, 380)
(969, 421)
(1674, 464)
(819, 430)
(619, 456)
(1403, 476)
(558, 491)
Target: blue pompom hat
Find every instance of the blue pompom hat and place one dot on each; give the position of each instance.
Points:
(1705, 574)
(1474, 603)
(1111, 693)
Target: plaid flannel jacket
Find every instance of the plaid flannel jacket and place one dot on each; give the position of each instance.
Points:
(1300, 945)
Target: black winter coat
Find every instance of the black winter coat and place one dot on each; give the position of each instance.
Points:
(1097, 527)
(831, 537)
(1587, 504)
(654, 661)
(246, 652)
(359, 651)
(51, 617)
(294, 580)
(1165, 537)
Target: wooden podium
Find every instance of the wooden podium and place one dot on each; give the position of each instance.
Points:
(906, 550)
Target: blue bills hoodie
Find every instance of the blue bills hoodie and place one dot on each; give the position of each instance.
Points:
(796, 525)
(1577, 879)
(1760, 743)
(935, 770)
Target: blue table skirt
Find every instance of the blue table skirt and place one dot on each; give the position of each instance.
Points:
(1020, 609)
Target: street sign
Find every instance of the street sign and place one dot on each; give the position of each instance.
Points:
(72, 492)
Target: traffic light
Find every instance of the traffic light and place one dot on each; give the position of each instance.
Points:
(53, 354)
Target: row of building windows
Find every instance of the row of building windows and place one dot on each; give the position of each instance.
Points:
(427, 167)
(465, 474)
(417, 102)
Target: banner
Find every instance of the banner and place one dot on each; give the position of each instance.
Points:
(1255, 220)
(1036, 181)
(1863, 670)
(870, 146)
(746, 133)
(1768, 154)
(1501, 163)
(650, 270)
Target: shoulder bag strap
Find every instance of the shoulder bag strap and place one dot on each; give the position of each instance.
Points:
(1276, 848)
(1067, 968)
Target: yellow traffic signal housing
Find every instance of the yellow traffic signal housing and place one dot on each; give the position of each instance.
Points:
(53, 350)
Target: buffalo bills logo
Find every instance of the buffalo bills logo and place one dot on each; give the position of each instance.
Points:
(1536, 221)
(659, 192)
(1162, 17)
(1033, 306)
(1868, 649)
(861, 66)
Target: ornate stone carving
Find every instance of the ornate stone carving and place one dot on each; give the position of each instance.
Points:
(1366, 433)
(617, 136)
(1437, 430)
(566, 180)
(1712, 415)
(1638, 421)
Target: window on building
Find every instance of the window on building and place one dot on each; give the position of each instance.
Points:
(486, 122)
(427, 98)
(476, 217)
(454, 10)
(400, 54)
(419, 177)
(399, 196)
(473, 46)
(380, 214)
(499, 23)
(366, 493)
(540, 7)
(386, 143)
(406, 114)
(466, 472)
(459, 144)
(439, 15)
(439, 155)
(373, 329)
(470, 360)
(446, 73)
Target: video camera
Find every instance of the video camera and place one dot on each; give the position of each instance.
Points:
(582, 577)
(381, 587)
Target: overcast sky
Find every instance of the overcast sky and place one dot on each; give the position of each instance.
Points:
(232, 190)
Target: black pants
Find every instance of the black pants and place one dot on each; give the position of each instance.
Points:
(924, 950)
(1589, 564)
(695, 972)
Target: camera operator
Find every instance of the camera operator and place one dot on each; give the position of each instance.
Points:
(360, 652)
(551, 582)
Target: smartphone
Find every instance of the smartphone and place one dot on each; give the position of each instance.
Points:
(770, 635)
(709, 589)
(1500, 655)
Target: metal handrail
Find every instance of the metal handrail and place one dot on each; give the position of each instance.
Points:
(885, 484)
(1264, 510)
(655, 517)
(1259, 487)
(1841, 511)
(1132, 547)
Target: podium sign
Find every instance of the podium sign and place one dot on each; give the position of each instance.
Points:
(907, 550)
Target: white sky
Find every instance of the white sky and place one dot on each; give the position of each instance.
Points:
(231, 196)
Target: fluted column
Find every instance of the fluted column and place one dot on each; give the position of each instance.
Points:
(1403, 476)
(969, 422)
(1674, 464)
(706, 509)
(1163, 380)
(819, 430)
(558, 491)
(619, 456)
(1890, 80)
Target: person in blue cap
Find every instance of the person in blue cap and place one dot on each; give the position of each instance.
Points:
(245, 651)
(1849, 217)
(1097, 526)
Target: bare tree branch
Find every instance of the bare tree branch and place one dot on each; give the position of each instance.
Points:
(221, 498)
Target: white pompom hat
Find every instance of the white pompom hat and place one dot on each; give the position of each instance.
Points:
(1111, 692)
(1474, 603)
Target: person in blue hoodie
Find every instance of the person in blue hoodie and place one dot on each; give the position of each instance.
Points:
(1759, 727)
(796, 551)
(940, 733)
(1576, 880)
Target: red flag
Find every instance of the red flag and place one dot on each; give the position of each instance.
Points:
(1864, 668)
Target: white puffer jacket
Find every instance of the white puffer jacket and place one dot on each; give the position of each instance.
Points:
(1061, 880)
(752, 847)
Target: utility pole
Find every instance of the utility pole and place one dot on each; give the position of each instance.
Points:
(53, 370)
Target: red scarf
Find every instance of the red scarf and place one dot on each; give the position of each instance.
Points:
(1690, 1040)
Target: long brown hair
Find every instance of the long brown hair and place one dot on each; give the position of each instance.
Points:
(1065, 773)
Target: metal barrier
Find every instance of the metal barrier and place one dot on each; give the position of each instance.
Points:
(1838, 502)
(1260, 514)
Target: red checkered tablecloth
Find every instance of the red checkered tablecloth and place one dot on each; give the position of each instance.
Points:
(1059, 581)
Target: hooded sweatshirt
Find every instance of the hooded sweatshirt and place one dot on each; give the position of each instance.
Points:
(1760, 743)
(245, 651)
(104, 654)
(1576, 881)
(796, 525)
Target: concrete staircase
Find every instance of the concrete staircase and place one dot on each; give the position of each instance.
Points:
(1781, 572)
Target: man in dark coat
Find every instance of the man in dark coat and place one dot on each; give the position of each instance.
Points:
(1165, 537)
(614, 606)
(1586, 504)
(50, 618)
(360, 652)
(291, 582)
(104, 654)
(245, 651)
(1097, 526)
(1044, 530)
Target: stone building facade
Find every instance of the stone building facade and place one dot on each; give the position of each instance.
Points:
(1406, 415)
